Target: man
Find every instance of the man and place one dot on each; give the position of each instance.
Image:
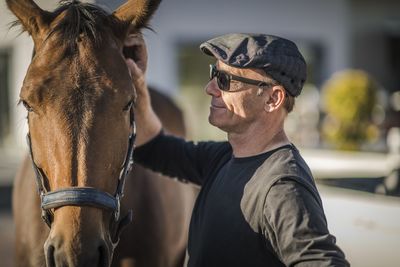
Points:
(258, 204)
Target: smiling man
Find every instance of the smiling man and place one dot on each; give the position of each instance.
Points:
(258, 204)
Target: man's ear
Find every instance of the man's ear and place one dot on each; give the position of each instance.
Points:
(275, 98)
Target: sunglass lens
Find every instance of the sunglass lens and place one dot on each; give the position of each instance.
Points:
(223, 81)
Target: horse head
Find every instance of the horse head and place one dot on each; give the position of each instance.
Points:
(79, 96)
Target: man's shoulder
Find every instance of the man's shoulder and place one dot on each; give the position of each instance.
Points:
(287, 161)
(284, 163)
(288, 167)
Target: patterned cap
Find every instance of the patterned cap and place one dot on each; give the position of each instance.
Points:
(278, 57)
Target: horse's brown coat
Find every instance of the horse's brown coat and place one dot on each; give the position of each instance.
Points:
(76, 90)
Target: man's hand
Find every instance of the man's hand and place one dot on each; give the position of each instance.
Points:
(135, 49)
(139, 83)
(136, 59)
(148, 124)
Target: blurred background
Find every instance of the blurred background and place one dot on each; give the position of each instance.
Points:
(346, 121)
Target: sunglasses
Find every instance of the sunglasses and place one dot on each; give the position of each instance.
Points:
(224, 79)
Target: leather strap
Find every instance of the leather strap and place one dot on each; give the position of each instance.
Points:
(78, 196)
(38, 173)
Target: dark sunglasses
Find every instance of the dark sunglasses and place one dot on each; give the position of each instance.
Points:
(224, 79)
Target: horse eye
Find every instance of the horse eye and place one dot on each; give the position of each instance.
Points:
(26, 105)
(128, 106)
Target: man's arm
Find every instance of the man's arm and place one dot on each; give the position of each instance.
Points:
(149, 125)
(297, 227)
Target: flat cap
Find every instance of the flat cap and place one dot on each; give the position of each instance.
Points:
(278, 57)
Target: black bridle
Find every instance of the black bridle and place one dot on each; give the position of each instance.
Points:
(83, 196)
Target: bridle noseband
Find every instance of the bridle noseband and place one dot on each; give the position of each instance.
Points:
(83, 196)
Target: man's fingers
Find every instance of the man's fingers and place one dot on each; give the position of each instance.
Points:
(135, 48)
(134, 69)
(137, 75)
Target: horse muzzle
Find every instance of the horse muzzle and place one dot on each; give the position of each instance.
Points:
(78, 240)
(57, 256)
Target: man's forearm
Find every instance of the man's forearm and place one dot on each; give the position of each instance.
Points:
(148, 123)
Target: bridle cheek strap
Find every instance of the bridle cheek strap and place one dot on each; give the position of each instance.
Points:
(117, 227)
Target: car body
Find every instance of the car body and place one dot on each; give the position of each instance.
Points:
(360, 194)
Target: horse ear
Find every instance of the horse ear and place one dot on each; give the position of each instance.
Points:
(137, 12)
(31, 16)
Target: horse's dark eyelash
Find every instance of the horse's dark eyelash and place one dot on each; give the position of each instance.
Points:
(18, 104)
(26, 105)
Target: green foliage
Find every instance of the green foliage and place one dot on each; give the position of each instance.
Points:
(349, 98)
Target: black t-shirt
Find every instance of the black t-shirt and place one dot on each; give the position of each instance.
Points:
(262, 210)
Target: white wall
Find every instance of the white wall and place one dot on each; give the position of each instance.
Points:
(176, 21)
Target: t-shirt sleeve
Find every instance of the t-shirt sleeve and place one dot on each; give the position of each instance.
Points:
(175, 157)
(297, 229)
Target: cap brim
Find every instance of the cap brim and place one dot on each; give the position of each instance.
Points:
(209, 50)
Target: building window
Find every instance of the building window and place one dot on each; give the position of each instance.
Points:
(4, 95)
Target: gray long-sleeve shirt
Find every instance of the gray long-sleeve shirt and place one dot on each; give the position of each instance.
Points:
(262, 210)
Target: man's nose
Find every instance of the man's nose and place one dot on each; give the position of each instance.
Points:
(212, 88)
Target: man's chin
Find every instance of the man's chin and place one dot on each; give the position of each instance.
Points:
(212, 120)
(217, 123)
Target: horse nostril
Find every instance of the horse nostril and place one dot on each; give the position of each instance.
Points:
(49, 253)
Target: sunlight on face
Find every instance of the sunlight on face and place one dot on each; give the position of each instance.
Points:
(237, 109)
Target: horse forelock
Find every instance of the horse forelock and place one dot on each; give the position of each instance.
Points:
(81, 20)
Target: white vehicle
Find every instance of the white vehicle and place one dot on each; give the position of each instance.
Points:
(361, 197)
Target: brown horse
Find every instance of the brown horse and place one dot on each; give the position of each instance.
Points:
(79, 97)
